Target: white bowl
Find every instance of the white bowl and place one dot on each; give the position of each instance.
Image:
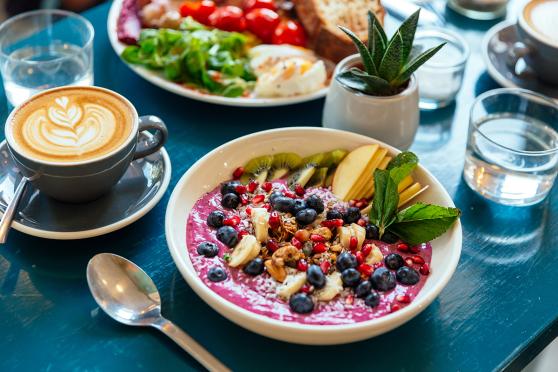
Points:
(218, 165)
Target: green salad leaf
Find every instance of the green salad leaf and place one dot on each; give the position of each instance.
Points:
(211, 60)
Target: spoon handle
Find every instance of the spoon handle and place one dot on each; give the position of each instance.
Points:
(190, 345)
(8, 216)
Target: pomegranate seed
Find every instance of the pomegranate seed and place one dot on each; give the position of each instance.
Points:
(417, 259)
(364, 200)
(404, 299)
(395, 307)
(319, 248)
(325, 266)
(290, 194)
(241, 234)
(248, 211)
(306, 288)
(359, 204)
(332, 223)
(252, 186)
(402, 247)
(361, 222)
(350, 299)
(296, 242)
(238, 172)
(414, 249)
(365, 269)
(258, 199)
(274, 220)
(302, 235)
(272, 245)
(424, 269)
(352, 202)
(379, 264)
(299, 190)
(267, 186)
(267, 206)
(409, 262)
(231, 221)
(302, 265)
(244, 199)
(353, 243)
(240, 189)
(366, 249)
(359, 257)
(317, 238)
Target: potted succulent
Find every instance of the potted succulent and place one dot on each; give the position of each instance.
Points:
(375, 92)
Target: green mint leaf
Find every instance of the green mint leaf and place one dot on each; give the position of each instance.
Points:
(367, 61)
(412, 66)
(391, 62)
(402, 165)
(407, 31)
(421, 223)
(386, 198)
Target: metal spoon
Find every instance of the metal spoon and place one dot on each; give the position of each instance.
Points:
(128, 295)
(8, 216)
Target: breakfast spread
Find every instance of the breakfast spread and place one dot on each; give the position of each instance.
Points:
(255, 49)
(319, 239)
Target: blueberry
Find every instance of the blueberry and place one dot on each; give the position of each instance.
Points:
(373, 299)
(229, 187)
(216, 274)
(350, 277)
(334, 214)
(346, 261)
(274, 195)
(363, 289)
(316, 203)
(254, 267)
(301, 303)
(389, 238)
(283, 204)
(382, 279)
(352, 215)
(230, 201)
(306, 216)
(298, 205)
(372, 232)
(228, 236)
(394, 261)
(315, 276)
(407, 275)
(215, 219)
(208, 249)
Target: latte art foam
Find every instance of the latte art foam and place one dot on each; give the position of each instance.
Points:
(73, 124)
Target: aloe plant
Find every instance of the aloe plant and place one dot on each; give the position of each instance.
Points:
(388, 64)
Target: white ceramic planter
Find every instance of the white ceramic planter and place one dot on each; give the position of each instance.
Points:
(392, 119)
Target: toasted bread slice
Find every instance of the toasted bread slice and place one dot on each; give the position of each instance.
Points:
(321, 18)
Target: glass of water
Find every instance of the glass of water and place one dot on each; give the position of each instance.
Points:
(512, 148)
(45, 49)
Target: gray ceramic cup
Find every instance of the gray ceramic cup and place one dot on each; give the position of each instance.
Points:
(88, 180)
(539, 52)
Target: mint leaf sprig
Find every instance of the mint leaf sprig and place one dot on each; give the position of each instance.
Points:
(416, 224)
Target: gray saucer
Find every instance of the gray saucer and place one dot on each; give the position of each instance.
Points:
(139, 190)
(496, 45)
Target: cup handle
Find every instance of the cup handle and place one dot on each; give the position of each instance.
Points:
(517, 51)
(157, 141)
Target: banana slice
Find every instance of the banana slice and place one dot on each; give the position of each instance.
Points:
(333, 286)
(245, 251)
(360, 233)
(345, 234)
(260, 218)
(291, 285)
(375, 256)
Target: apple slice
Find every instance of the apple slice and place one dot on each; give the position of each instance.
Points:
(370, 186)
(368, 176)
(350, 169)
(410, 193)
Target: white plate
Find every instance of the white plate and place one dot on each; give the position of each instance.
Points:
(223, 160)
(159, 80)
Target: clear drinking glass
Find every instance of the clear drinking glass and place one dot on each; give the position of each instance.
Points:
(44, 49)
(512, 148)
(440, 78)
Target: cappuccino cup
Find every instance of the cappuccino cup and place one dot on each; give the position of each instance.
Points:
(537, 31)
(74, 143)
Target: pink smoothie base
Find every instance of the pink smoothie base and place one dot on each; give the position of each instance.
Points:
(257, 294)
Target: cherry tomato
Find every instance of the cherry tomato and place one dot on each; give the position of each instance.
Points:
(200, 11)
(262, 22)
(258, 4)
(289, 32)
(228, 18)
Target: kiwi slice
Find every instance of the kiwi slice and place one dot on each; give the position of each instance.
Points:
(283, 163)
(302, 175)
(319, 177)
(329, 179)
(257, 169)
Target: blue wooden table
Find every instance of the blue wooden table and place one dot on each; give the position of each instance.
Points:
(499, 310)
